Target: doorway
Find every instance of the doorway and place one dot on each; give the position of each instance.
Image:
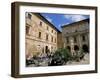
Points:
(76, 48)
(46, 49)
(85, 48)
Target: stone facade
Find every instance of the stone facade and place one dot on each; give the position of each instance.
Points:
(76, 36)
(41, 35)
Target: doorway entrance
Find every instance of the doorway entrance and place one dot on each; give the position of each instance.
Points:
(85, 48)
(76, 48)
(46, 49)
(68, 48)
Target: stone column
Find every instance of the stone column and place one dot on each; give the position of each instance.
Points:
(64, 42)
(72, 45)
(79, 42)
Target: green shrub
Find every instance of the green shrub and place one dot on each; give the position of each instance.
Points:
(64, 53)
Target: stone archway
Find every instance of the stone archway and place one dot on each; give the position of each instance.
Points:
(85, 48)
(76, 48)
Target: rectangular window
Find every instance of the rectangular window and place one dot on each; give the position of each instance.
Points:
(46, 37)
(52, 39)
(27, 29)
(83, 38)
(29, 16)
(55, 40)
(39, 35)
(40, 23)
(75, 39)
(67, 39)
(52, 31)
(47, 28)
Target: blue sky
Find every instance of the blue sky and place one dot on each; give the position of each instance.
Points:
(59, 20)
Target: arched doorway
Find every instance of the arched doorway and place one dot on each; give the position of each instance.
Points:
(76, 48)
(68, 48)
(46, 49)
(85, 48)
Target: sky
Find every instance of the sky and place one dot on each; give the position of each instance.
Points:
(59, 20)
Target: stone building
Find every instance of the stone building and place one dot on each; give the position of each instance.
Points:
(41, 35)
(76, 36)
